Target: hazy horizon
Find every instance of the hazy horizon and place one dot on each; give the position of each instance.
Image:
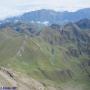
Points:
(12, 8)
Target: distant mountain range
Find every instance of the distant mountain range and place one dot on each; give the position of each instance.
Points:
(50, 16)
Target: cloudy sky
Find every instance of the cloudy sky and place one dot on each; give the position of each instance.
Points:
(15, 7)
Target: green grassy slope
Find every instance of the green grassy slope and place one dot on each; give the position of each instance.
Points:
(55, 58)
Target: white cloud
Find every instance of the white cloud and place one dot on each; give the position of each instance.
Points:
(15, 7)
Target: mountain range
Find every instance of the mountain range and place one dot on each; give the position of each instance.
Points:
(46, 50)
(51, 16)
(56, 56)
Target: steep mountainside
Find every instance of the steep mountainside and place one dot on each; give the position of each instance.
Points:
(58, 57)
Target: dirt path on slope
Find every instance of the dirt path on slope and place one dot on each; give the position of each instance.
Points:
(22, 47)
